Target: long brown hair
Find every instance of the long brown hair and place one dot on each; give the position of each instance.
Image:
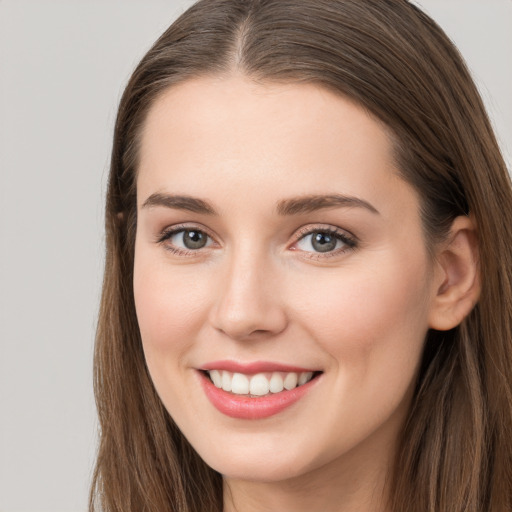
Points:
(456, 447)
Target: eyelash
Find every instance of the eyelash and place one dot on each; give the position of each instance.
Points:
(349, 241)
(168, 233)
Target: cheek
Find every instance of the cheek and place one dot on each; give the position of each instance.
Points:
(170, 316)
(372, 325)
(167, 306)
(369, 317)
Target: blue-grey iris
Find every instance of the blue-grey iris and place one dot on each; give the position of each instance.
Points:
(194, 239)
(323, 242)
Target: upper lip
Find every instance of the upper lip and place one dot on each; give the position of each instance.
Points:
(253, 367)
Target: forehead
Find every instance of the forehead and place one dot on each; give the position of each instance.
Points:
(229, 136)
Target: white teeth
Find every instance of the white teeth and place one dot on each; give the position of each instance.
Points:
(305, 377)
(276, 383)
(260, 384)
(240, 384)
(227, 378)
(290, 381)
(216, 378)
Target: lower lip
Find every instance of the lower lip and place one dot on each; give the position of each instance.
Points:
(245, 408)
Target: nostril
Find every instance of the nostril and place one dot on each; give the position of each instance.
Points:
(246, 310)
(246, 331)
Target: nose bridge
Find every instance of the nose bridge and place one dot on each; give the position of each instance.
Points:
(248, 300)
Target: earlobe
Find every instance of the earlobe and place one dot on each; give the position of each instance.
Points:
(457, 278)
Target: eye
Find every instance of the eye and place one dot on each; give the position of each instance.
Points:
(322, 241)
(190, 239)
(183, 240)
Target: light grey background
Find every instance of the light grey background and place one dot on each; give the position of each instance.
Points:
(63, 65)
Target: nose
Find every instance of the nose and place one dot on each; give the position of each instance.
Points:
(248, 302)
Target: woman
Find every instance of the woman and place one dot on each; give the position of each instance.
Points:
(307, 295)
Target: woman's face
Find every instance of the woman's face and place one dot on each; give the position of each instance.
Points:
(276, 242)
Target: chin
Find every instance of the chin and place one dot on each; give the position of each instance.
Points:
(258, 461)
(264, 471)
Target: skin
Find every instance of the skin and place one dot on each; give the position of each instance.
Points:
(260, 292)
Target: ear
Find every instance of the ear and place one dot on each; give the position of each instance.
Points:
(456, 276)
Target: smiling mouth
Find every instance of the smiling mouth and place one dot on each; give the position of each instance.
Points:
(259, 384)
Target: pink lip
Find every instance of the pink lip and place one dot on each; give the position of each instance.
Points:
(243, 407)
(254, 367)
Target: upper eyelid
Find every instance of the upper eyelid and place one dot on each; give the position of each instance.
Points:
(176, 228)
(329, 228)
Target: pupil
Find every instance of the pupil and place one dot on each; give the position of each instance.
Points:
(323, 242)
(194, 239)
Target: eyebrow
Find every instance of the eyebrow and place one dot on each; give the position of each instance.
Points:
(285, 207)
(189, 203)
(311, 203)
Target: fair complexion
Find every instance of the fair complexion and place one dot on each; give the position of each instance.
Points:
(235, 262)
